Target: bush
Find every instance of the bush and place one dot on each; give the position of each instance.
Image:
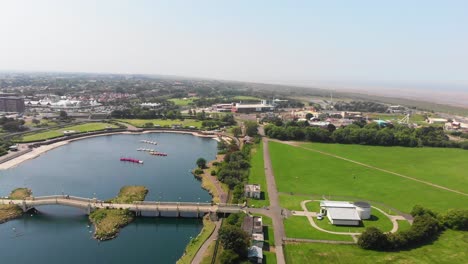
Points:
(229, 257)
(373, 238)
(198, 171)
(456, 219)
(419, 211)
(213, 173)
(201, 163)
(235, 239)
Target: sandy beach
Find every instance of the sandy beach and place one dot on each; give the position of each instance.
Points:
(36, 152)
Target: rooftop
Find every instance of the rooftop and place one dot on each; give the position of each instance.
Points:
(336, 204)
(252, 187)
(255, 252)
(343, 213)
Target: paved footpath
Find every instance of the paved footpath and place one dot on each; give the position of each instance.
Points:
(201, 252)
(275, 209)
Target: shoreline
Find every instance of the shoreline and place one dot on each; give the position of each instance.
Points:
(36, 152)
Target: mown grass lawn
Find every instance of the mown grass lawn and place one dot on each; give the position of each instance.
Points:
(87, 127)
(299, 227)
(403, 225)
(257, 176)
(182, 101)
(449, 248)
(293, 201)
(162, 123)
(443, 166)
(302, 171)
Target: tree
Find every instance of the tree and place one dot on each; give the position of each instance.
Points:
(373, 238)
(308, 116)
(201, 163)
(190, 112)
(63, 114)
(229, 257)
(251, 128)
(456, 219)
(234, 238)
(237, 131)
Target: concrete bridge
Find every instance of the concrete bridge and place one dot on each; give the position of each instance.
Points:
(148, 207)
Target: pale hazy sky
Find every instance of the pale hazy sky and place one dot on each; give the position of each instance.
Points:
(278, 41)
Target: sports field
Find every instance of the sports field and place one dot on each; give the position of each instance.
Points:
(450, 247)
(182, 102)
(161, 122)
(443, 166)
(88, 127)
(306, 172)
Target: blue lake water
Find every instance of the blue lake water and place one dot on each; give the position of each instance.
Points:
(91, 168)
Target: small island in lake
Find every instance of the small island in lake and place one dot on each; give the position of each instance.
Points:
(108, 222)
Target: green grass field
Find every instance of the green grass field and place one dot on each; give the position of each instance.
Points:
(449, 248)
(88, 127)
(403, 225)
(293, 202)
(182, 102)
(162, 123)
(246, 98)
(443, 166)
(305, 172)
(257, 176)
(299, 227)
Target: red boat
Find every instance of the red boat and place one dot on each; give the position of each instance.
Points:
(132, 160)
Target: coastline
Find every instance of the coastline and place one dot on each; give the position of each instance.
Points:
(36, 152)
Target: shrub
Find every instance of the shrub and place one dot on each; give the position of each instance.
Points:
(198, 171)
(419, 211)
(373, 238)
(456, 219)
(213, 173)
(229, 257)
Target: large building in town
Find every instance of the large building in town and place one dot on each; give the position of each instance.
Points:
(11, 103)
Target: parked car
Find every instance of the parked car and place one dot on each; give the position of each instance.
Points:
(319, 216)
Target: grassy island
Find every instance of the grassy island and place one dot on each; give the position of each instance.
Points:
(20, 194)
(130, 194)
(9, 211)
(108, 222)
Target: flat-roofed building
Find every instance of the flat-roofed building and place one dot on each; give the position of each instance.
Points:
(13, 104)
(345, 213)
(252, 191)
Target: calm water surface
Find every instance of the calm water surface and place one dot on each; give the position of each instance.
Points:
(91, 168)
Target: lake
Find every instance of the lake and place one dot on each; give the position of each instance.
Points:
(91, 168)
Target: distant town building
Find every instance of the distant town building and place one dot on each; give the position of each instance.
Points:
(396, 109)
(252, 191)
(223, 107)
(431, 120)
(11, 103)
(263, 106)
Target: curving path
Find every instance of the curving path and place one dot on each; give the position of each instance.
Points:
(201, 251)
(310, 216)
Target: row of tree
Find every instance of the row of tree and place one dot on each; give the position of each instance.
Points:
(426, 227)
(234, 240)
(364, 134)
(361, 106)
